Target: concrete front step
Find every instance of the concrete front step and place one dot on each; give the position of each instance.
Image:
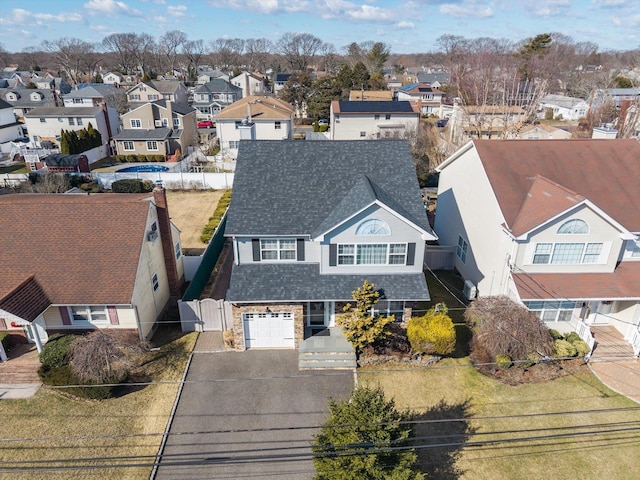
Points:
(326, 360)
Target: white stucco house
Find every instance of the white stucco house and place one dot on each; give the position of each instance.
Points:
(554, 224)
(253, 118)
(566, 108)
(372, 120)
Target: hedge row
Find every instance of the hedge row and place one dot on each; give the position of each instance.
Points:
(138, 158)
(214, 220)
(132, 185)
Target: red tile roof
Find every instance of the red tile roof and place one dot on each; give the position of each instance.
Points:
(606, 172)
(79, 249)
(623, 282)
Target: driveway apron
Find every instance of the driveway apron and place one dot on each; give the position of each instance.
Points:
(249, 415)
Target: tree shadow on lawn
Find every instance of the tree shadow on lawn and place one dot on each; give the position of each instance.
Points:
(441, 433)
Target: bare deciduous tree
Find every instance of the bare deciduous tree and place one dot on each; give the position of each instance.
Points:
(104, 356)
(194, 51)
(299, 49)
(503, 327)
(169, 44)
(121, 46)
(257, 51)
(70, 55)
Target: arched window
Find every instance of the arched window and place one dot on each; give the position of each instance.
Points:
(373, 227)
(574, 227)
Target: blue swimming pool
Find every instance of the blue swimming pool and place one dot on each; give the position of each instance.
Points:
(144, 168)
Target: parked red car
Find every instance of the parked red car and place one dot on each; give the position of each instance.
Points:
(205, 124)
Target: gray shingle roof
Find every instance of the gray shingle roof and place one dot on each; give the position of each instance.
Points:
(302, 281)
(297, 188)
(218, 85)
(177, 107)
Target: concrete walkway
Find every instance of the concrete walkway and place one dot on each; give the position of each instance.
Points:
(19, 375)
(621, 376)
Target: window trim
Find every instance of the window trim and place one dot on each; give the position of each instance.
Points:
(570, 225)
(150, 145)
(277, 125)
(126, 143)
(90, 311)
(462, 249)
(557, 306)
(155, 283)
(135, 123)
(292, 246)
(374, 223)
(584, 253)
(357, 255)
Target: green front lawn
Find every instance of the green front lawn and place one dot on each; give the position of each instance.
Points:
(56, 431)
(588, 434)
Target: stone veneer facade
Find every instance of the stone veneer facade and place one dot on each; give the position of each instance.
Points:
(238, 328)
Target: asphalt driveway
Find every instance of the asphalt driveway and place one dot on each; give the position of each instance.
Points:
(249, 415)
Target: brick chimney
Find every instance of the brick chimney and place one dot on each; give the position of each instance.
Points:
(164, 227)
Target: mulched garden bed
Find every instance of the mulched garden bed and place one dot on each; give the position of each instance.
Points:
(540, 372)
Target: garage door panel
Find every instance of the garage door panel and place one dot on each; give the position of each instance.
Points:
(269, 330)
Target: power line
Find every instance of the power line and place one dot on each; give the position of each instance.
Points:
(346, 425)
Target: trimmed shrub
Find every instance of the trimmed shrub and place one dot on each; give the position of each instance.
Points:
(582, 348)
(210, 228)
(5, 339)
(564, 349)
(63, 376)
(503, 361)
(556, 335)
(432, 333)
(572, 337)
(127, 185)
(55, 352)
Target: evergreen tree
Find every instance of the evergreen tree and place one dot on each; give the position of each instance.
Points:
(363, 440)
(64, 142)
(362, 324)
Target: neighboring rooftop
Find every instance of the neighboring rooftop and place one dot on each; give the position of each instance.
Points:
(343, 106)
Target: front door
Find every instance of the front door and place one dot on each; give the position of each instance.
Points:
(321, 315)
(598, 312)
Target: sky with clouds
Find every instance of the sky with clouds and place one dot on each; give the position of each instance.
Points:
(408, 26)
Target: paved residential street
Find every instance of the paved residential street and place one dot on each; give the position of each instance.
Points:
(248, 415)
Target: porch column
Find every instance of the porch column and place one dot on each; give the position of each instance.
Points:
(36, 337)
(3, 354)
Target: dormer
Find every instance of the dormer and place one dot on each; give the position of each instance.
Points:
(36, 97)
(12, 96)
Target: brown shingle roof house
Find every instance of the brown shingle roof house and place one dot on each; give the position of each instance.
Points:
(79, 262)
(554, 224)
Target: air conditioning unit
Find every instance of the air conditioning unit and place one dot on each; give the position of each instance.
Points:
(158, 123)
(152, 236)
(469, 290)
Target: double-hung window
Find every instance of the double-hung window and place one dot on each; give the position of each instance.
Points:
(135, 123)
(461, 249)
(152, 145)
(277, 125)
(278, 249)
(89, 314)
(372, 254)
(573, 253)
(128, 146)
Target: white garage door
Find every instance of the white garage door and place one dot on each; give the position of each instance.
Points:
(268, 330)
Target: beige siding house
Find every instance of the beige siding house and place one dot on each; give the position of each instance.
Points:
(106, 261)
(553, 224)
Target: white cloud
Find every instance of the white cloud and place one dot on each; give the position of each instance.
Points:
(628, 21)
(547, 8)
(111, 7)
(404, 26)
(177, 11)
(466, 10)
(18, 15)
